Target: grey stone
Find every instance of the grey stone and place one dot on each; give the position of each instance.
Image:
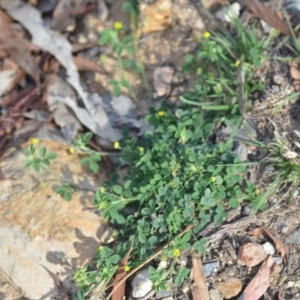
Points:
(210, 267)
(141, 284)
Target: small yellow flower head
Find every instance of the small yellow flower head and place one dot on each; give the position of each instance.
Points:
(99, 249)
(161, 113)
(237, 63)
(34, 141)
(72, 150)
(199, 71)
(141, 149)
(257, 192)
(212, 179)
(126, 268)
(171, 183)
(118, 26)
(102, 206)
(102, 189)
(218, 88)
(176, 252)
(117, 145)
(206, 34)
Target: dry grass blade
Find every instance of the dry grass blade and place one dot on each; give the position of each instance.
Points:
(65, 13)
(262, 12)
(121, 273)
(199, 287)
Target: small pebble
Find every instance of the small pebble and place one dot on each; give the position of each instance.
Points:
(141, 284)
(290, 283)
(185, 288)
(247, 210)
(215, 295)
(229, 13)
(277, 260)
(162, 264)
(268, 247)
(285, 229)
(210, 268)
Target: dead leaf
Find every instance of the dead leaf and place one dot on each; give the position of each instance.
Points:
(260, 282)
(251, 254)
(65, 13)
(8, 80)
(62, 115)
(262, 12)
(85, 64)
(295, 73)
(280, 246)
(94, 118)
(199, 287)
(80, 47)
(255, 232)
(279, 296)
(119, 290)
(15, 46)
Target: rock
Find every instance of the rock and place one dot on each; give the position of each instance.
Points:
(285, 229)
(8, 290)
(165, 294)
(168, 298)
(141, 284)
(268, 247)
(294, 238)
(215, 295)
(40, 233)
(230, 288)
(162, 264)
(210, 268)
(228, 14)
(162, 80)
(277, 260)
(251, 254)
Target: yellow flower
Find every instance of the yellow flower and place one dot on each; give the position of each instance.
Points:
(161, 113)
(237, 63)
(102, 206)
(176, 252)
(171, 183)
(99, 249)
(34, 141)
(117, 145)
(206, 34)
(141, 149)
(102, 189)
(199, 71)
(72, 150)
(126, 268)
(212, 179)
(257, 192)
(118, 25)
